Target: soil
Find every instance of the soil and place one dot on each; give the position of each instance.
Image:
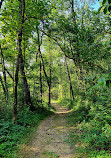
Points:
(50, 139)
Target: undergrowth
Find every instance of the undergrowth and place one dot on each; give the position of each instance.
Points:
(89, 139)
(12, 135)
(91, 119)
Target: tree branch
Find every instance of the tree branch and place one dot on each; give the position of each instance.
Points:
(9, 74)
(63, 50)
(1, 3)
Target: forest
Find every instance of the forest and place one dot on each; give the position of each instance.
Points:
(55, 52)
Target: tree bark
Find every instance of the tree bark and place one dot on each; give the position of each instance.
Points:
(40, 81)
(47, 78)
(71, 89)
(21, 62)
(4, 72)
(44, 69)
(15, 90)
(39, 51)
(49, 75)
(25, 84)
(19, 40)
(3, 85)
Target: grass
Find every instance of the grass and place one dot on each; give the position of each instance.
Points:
(47, 154)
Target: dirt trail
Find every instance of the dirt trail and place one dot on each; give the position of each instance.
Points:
(49, 140)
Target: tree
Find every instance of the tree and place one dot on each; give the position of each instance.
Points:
(105, 6)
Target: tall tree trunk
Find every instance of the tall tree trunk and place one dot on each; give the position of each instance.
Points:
(4, 90)
(40, 54)
(4, 73)
(49, 75)
(71, 89)
(19, 41)
(40, 81)
(39, 50)
(49, 83)
(21, 62)
(44, 68)
(25, 84)
(15, 89)
(47, 79)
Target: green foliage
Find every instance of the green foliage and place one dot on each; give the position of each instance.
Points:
(92, 117)
(95, 135)
(93, 138)
(84, 37)
(66, 103)
(78, 114)
(105, 7)
(5, 112)
(12, 135)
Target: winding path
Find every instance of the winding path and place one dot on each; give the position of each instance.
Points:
(50, 138)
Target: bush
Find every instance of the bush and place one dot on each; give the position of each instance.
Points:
(10, 137)
(96, 135)
(66, 102)
(94, 117)
(14, 134)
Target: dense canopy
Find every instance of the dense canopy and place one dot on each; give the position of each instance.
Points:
(56, 51)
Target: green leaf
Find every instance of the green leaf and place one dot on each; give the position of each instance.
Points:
(102, 81)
